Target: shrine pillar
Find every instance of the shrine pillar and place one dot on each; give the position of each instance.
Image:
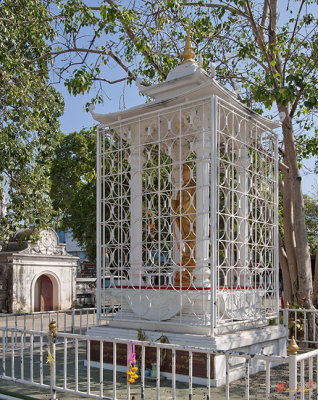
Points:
(243, 214)
(136, 161)
(202, 271)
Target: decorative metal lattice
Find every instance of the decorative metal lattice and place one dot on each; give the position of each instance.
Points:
(187, 211)
(247, 218)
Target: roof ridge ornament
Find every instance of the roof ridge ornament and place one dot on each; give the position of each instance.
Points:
(188, 52)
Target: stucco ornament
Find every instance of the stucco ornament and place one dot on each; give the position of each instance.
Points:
(48, 244)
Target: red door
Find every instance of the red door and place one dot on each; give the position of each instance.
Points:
(46, 293)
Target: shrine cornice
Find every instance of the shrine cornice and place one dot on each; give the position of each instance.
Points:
(206, 89)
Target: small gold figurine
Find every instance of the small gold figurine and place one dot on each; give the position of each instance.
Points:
(184, 225)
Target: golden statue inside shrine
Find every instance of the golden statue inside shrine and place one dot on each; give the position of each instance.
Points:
(184, 226)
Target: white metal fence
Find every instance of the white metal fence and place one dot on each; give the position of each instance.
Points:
(63, 362)
(74, 320)
(301, 376)
(302, 324)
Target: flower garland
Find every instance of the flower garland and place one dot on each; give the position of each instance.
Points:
(132, 369)
(51, 335)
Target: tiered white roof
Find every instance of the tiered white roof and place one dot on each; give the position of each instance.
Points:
(186, 82)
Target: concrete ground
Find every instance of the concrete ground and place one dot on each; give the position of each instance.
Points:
(237, 390)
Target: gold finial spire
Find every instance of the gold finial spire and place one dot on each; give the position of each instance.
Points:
(188, 52)
(293, 347)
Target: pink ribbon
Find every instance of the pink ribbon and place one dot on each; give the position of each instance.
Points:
(131, 354)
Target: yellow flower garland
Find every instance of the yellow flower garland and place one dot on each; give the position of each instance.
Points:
(132, 376)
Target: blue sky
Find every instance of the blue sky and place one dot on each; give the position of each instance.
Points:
(76, 118)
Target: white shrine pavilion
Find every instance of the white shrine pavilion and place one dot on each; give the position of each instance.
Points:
(187, 230)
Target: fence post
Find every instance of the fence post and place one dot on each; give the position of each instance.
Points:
(73, 320)
(51, 358)
(293, 348)
(286, 315)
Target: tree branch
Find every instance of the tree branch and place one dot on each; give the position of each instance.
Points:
(259, 40)
(281, 152)
(265, 13)
(86, 51)
(226, 7)
(292, 36)
(121, 64)
(250, 55)
(112, 82)
(133, 38)
(272, 36)
(264, 18)
(57, 53)
(301, 90)
(283, 167)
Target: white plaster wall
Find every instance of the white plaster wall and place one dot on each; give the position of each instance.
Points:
(26, 271)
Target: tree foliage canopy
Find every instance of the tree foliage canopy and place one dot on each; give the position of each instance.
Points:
(74, 187)
(266, 47)
(29, 111)
(270, 49)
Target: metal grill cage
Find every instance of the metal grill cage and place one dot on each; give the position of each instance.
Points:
(187, 217)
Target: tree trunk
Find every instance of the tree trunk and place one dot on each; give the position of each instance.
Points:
(289, 238)
(297, 248)
(315, 291)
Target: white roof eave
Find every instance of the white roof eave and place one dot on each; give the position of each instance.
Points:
(207, 88)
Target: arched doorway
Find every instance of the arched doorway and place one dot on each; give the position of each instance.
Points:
(46, 293)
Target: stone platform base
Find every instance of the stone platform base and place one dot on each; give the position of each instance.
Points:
(269, 340)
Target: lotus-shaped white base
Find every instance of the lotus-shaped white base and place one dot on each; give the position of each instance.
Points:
(160, 305)
(155, 305)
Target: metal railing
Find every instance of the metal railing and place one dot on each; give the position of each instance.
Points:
(73, 320)
(74, 363)
(302, 324)
(302, 366)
